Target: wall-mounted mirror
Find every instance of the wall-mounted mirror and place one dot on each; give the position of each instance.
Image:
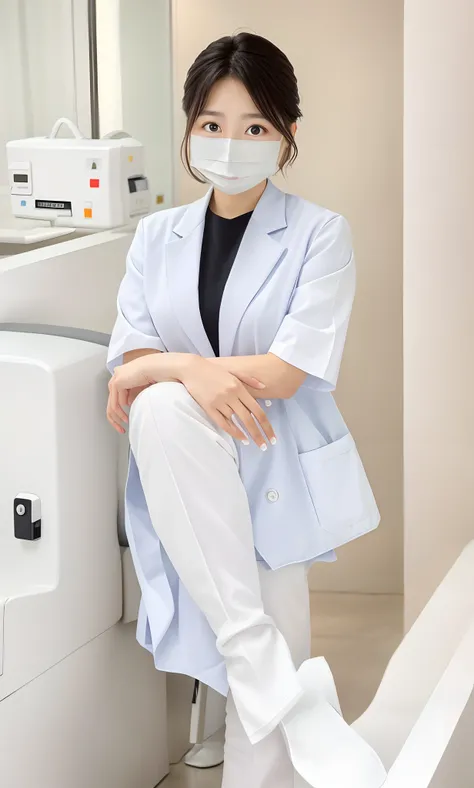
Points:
(45, 72)
(134, 85)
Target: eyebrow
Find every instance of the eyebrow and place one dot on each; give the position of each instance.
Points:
(245, 116)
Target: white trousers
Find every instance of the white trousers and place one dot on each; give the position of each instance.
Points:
(267, 764)
(199, 509)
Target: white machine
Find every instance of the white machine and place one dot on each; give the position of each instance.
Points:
(78, 182)
(80, 701)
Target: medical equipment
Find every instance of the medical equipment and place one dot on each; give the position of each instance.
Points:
(80, 702)
(102, 714)
(78, 182)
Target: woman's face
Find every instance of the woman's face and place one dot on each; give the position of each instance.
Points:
(231, 113)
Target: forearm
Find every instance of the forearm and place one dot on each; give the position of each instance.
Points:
(162, 367)
(281, 380)
(131, 355)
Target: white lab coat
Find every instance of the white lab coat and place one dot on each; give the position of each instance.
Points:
(290, 293)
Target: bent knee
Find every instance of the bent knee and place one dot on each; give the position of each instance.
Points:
(169, 407)
(157, 407)
(167, 394)
(159, 399)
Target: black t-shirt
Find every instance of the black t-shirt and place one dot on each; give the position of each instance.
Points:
(220, 244)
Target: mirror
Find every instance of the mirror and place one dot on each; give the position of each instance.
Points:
(134, 83)
(44, 67)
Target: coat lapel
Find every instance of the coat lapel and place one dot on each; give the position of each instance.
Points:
(257, 256)
(183, 255)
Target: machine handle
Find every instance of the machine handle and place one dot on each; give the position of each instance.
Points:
(71, 126)
(116, 135)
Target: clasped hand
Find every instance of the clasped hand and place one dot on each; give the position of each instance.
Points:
(224, 397)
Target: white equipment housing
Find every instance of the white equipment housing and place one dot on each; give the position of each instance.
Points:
(78, 182)
(80, 701)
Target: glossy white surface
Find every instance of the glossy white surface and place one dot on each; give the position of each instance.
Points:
(71, 283)
(65, 588)
(75, 684)
(97, 719)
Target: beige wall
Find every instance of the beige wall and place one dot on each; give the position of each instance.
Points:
(348, 59)
(438, 291)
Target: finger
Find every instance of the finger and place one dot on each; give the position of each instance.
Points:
(252, 382)
(252, 405)
(123, 402)
(113, 418)
(116, 421)
(230, 417)
(228, 426)
(117, 427)
(244, 415)
(115, 405)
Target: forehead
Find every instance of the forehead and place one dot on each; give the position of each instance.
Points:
(230, 94)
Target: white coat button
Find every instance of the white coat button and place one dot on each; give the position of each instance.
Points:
(272, 496)
(268, 402)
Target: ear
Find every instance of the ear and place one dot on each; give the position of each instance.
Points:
(293, 128)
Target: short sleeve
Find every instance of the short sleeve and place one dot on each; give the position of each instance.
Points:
(312, 334)
(134, 328)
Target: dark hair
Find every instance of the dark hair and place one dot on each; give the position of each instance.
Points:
(263, 69)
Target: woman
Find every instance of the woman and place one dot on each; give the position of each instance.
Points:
(232, 318)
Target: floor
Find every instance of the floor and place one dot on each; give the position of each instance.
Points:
(361, 630)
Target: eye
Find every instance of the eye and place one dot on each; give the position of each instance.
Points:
(256, 131)
(212, 128)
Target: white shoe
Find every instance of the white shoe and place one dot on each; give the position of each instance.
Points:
(325, 751)
(315, 677)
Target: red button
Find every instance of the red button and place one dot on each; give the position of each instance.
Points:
(94, 183)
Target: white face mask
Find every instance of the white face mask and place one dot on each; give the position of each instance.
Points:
(234, 166)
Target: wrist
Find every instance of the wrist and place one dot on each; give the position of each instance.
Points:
(182, 364)
(167, 367)
(221, 361)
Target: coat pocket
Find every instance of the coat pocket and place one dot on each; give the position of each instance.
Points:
(339, 488)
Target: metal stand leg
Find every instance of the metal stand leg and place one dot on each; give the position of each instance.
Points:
(204, 754)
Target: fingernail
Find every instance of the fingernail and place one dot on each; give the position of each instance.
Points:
(264, 447)
(245, 442)
(273, 441)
